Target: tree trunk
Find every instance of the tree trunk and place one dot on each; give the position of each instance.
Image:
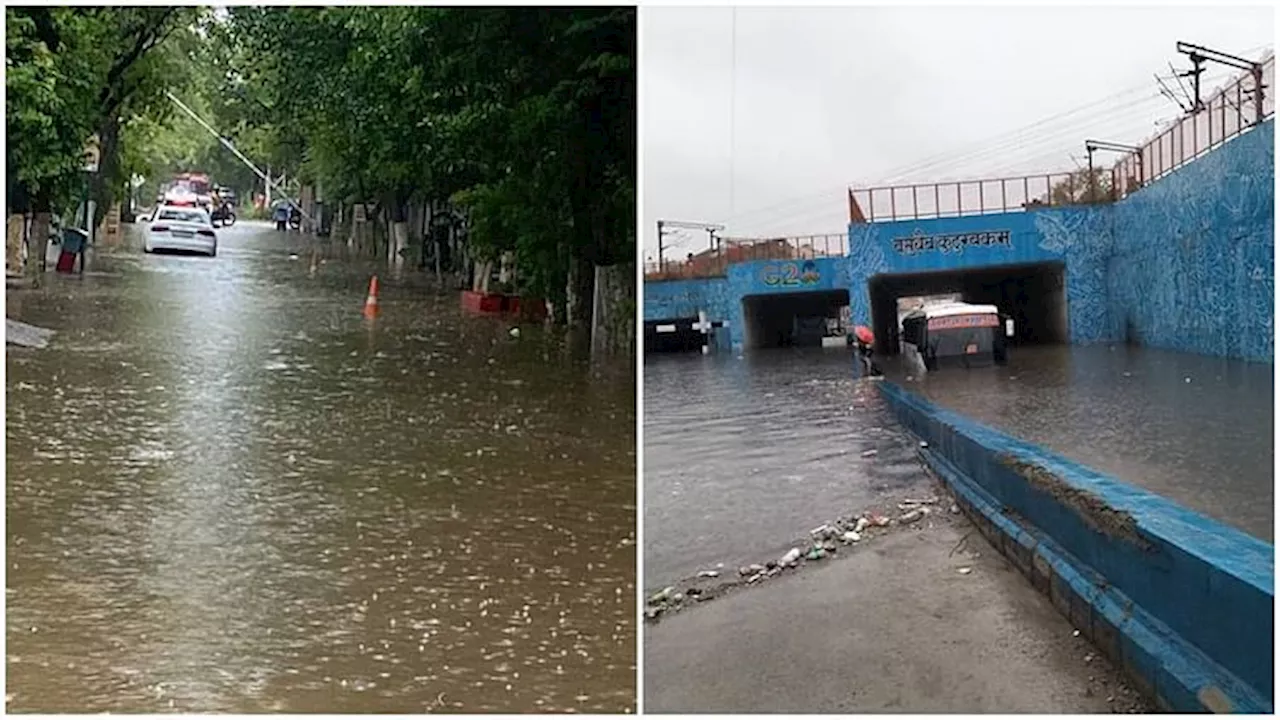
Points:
(15, 234)
(38, 247)
(101, 186)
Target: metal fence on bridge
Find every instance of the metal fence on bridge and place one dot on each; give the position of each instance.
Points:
(1226, 114)
(714, 261)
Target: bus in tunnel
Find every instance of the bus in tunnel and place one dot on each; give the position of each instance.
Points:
(1032, 295)
(956, 334)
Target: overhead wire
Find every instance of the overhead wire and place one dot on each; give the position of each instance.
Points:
(996, 143)
(837, 195)
(1139, 110)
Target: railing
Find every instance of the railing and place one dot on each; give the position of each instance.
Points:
(1227, 114)
(1230, 112)
(971, 197)
(714, 262)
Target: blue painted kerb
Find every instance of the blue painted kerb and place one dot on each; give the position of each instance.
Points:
(1210, 584)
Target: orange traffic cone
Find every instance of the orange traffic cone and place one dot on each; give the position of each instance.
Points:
(371, 302)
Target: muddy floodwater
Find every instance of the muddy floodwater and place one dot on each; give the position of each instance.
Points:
(744, 454)
(228, 492)
(1198, 430)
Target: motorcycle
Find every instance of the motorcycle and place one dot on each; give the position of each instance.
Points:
(223, 214)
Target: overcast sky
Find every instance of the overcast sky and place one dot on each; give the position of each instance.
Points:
(762, 121)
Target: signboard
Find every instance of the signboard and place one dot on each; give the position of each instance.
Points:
(955, 322)
(954, 243)
(359, 215)
(790, 274)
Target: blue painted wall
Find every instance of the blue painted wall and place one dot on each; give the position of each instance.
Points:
(1193, 264)
(768, 277)
(1184, 264)
(1033, 237)
(664, 299)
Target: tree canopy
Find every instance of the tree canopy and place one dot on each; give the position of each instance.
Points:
(522, 117)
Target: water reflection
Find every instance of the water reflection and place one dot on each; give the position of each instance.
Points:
(1196, 429)
(745, 453)
(228, 492)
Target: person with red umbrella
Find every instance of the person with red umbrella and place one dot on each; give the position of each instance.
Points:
(866, 342)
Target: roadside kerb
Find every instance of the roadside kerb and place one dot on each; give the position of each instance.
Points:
(1181, 601)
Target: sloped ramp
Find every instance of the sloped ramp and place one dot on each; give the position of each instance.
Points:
(20, 333)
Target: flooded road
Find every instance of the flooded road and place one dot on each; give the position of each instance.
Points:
(743, 456)
(228, 492)
(1196, 429)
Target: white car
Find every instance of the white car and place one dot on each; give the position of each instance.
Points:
(183, 229)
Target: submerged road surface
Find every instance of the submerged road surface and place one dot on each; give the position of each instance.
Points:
(745, 454)
(1198, 430)
(228, 492)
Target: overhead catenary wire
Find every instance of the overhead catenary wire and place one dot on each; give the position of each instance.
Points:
(1039, 124)
(1036, 164)
(996, 143)
(1063, 141)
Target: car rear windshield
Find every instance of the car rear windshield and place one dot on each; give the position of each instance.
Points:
(189, 216)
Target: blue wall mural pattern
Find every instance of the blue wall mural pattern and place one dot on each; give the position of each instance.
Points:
(1185, 264)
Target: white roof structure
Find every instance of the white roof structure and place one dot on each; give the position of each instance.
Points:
(949, 309)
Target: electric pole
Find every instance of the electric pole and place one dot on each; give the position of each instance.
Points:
(1091, 146)
(1200, 55)
(663, 225)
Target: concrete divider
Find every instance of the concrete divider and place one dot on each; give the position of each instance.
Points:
(1182, 602)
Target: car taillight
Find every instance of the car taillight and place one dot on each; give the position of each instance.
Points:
(205, 232)
(160, 228)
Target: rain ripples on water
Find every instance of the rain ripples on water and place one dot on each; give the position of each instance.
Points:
(228, 492)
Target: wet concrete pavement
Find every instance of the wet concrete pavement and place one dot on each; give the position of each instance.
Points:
(1195, 429)
(745, 454)
(889, 626)
(228, 492)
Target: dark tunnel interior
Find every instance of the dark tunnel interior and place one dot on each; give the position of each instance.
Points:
(790, 319)
(1033, 295)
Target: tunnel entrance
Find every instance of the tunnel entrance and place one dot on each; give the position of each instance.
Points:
(800, 319)
(673, 335)
(1033, 295)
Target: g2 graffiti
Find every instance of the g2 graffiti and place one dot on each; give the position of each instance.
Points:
(790, 274)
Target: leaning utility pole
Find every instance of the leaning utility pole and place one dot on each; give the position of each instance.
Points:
(227, 144)
(1200, 55)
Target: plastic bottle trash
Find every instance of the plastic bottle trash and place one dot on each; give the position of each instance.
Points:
(869, 453)
(851, 536)
(861, 524)
(708, 573)
(792, 555)
(661, 596)
(912, 516)
(816, 553)
(964, 570)
(822, 532)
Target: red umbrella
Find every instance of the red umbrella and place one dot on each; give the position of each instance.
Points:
(864, 335)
